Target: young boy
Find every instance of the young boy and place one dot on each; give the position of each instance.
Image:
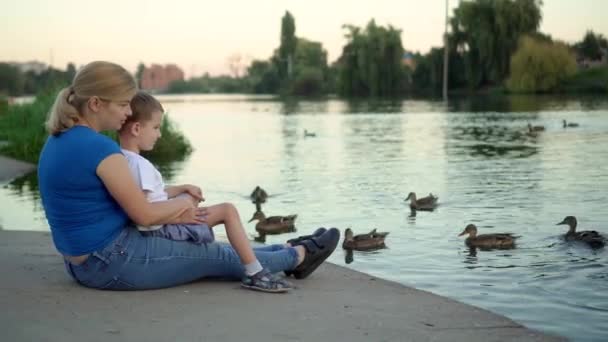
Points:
(139, 133)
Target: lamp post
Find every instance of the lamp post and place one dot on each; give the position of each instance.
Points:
(445, 55)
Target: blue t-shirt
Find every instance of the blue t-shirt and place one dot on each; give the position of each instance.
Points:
(83, 216)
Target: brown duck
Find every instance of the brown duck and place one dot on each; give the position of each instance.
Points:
(590, 237)
(363, 242)
(258, 195)
(533, 129)
(569, 124)
(425, 203)
(488, 241)
(273, 224)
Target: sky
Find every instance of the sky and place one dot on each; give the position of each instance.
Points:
(201, 35)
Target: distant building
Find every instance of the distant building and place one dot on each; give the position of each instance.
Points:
(158, 77)
(586, 63)
(408, 59)
(33, 66)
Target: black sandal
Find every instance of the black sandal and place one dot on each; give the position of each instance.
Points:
(317, 250)
(299, 239)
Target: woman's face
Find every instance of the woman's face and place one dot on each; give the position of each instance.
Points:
(110, 114)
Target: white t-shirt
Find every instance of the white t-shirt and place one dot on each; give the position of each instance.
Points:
(146, 176)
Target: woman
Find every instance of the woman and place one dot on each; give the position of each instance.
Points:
(89, 197)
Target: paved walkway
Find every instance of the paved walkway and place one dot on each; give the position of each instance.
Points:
(40, 303)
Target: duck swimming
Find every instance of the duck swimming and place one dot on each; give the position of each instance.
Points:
(273, 224)
(258, 195)
(590, 237)
(488, 241)
(569, 124)
(532, 129)
(363, 242)
(425, 203)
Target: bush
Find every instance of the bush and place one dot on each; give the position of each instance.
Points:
(540, 66)
(23, 128)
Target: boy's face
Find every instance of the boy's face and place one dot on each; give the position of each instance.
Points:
(149, 131)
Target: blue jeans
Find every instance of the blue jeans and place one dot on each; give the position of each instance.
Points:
(136, 262)
(195, 233)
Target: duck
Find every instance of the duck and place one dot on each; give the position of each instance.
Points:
(273, 224)
(309, 134)
(532, 129)
(363, 242)
(569, 124)
(258, 195)
(590, 237)
(488, 241)
(425, 203)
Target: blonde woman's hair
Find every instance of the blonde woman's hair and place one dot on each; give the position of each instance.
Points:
(106, 80)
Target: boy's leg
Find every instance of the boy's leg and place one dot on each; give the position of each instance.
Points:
(226, 213)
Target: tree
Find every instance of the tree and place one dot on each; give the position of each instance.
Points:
(310, 68)
(287, 47)
(236, 64)
(592, 46)
(540, 66)
(371, 62)
(70, 72)
(263, 77)
(487, 33)
(139, 73)
(11, 80)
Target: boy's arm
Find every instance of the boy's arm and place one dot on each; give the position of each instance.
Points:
(174, 190)
(194, 191)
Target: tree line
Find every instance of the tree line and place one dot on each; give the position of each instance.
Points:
(492, 44)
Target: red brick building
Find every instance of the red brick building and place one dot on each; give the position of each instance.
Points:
(157, 77)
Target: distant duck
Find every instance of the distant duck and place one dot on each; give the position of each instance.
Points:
(274, 224)
(425, 203)
(258, 195)
(363, 242)
(533, 129)
(590, 237)
(308, 134)
(488, 241)
(569, 124)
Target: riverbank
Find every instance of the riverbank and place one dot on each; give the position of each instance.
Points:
(40, 302)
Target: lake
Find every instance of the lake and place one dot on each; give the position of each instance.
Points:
(475, 154)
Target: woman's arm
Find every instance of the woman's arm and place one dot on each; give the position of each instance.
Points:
(116, 176)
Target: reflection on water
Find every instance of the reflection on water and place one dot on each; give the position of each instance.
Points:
(366, 157)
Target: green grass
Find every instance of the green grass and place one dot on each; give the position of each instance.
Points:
(22, 126)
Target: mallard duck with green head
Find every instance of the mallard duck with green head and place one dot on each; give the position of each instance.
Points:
(590, 237)
(364, 242)
(488, 241)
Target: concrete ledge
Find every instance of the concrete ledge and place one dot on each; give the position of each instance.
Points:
(11, 168)
(40, 303)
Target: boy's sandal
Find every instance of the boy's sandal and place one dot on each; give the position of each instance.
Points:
(266, 282)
